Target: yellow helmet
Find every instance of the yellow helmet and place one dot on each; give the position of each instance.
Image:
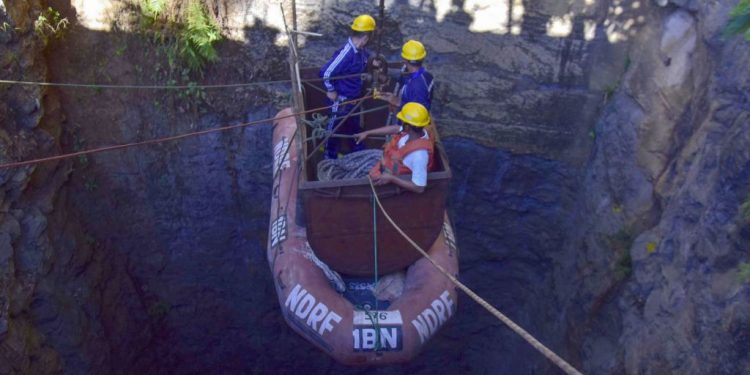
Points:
(413, 51)
(414, 114)
(364, 23)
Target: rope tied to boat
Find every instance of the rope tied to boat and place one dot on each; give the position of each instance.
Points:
(549, 354)
(319, 122)
(318, 126)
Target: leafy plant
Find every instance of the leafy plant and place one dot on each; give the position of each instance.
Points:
(90, 185)
(158, 310)
(79, 144)
(121, 50)
(190, 36)
(198, 38)
(50, 24)
(743, 272)
(739, 22)
(745, 209)
(152, 9)
(620, 243)
(624, 266)
(609, 91)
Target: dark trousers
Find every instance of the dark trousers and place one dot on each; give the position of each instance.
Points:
(350, 127)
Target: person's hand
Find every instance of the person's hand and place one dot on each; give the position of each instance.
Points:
(359, 137)
(383, 179)
(332, 95)
(390, 98)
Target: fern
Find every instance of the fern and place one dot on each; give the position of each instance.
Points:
(198, 37)
(188, 32)
(153, 8)
(739, 22)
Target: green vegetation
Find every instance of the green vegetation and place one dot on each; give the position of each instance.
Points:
(739, 22)
(745, 209)
(89, 239)
(620, 243)
(79, 144)
(622, 240)
(624, 265)
(158, 310)
(120, 51)
(193, 91)
(198, 37)
(50, 24)
(610, 91)
(90, 184)
(188, 32)
(743, 272)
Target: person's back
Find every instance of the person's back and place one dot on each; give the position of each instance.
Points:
(348, 61)
(416, 87)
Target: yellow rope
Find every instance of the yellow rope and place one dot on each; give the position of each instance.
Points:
(565, 366)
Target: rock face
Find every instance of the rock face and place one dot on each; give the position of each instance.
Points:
(600, 152)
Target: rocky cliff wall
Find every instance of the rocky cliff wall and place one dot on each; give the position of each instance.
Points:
(600, 158)
(665, 183)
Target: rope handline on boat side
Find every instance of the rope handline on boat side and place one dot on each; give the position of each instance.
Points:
(164, 139)
(549, 354)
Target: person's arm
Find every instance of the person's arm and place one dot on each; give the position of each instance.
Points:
(333, 69)
(390, 98)
(384, 130)
(387, 178)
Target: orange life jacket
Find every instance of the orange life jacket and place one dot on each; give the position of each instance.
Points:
(393, 157)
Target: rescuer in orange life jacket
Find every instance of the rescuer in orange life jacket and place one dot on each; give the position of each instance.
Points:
(409, 151)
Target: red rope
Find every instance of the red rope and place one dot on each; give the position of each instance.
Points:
(165, 139)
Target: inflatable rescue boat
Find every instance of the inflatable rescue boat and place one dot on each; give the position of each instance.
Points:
(346, 280)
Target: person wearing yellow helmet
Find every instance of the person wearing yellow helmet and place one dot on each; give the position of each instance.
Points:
(410, 150)
(416, 85)
(350, 60)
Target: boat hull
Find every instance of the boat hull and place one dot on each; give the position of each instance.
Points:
(312, 306)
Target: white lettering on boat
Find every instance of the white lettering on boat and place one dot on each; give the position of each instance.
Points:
(278, 230)
(434, 316)
(377, 330)
(281, 155)
(450, 238)
(315, 314)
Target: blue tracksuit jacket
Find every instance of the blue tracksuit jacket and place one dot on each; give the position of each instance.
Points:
(347, 60)
(417, 87)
